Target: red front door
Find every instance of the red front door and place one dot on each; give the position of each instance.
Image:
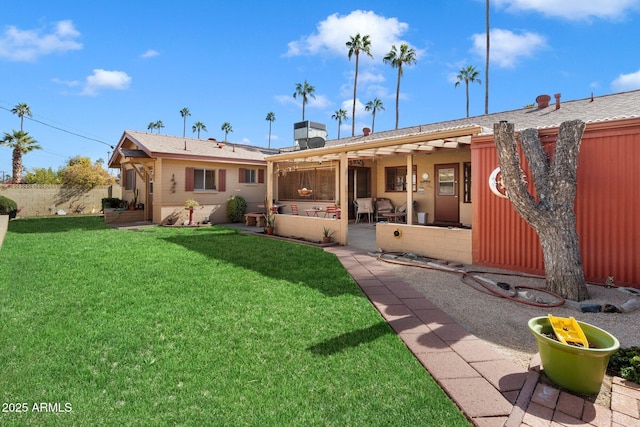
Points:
(447, 200)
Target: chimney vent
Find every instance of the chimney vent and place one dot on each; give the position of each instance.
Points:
(557, 96)
(543, 101)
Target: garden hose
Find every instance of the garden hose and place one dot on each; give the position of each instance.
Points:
(469, 275)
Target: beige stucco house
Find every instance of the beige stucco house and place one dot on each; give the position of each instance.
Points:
(168, 170)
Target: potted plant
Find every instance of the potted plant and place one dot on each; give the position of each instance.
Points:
(134, 202)
(270, 222)
(326, 235)
(577, 369)
(189, 204)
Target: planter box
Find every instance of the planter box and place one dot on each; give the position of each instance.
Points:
(115, 216)
(577, 369)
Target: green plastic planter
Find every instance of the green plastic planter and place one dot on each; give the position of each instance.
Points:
(577, 369)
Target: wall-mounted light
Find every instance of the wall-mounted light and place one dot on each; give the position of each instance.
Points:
(425, 178)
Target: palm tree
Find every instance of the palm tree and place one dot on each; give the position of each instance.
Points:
(340, 115)
(466, 75)
(486, 64)
(22, 143)
(305, 90)
(373, 106)
(159, 125)
(184, 113)
(151, 126)
(356, 45)
(405, 55)
(226, 128)
(22, 110)
(270, 118)
(197, 127)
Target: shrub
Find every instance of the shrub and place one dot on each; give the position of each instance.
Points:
(626, 364)
(111, 202)
(8, 207)
(236, 208)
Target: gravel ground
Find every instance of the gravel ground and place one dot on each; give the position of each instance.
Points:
(503, 322)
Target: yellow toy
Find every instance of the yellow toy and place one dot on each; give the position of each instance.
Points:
(568, 330)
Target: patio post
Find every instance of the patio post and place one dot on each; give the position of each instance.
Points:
(410, 189)
(270, 179)
(344, 207)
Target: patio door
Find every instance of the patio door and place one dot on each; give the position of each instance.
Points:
(359, 185)
(447, 200)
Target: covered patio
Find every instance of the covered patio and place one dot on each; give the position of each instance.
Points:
(415, 167)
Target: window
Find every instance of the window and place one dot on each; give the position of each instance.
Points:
(250, 176)
(204, 179)
(446, 182)
(395, 178)
(320, 181)
(129, 179)
(467, 182)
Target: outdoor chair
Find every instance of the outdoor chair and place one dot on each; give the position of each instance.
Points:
(332, 212)
(364, 206)
(383, 206)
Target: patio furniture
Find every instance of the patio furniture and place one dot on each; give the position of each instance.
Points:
(394, 216)
(383, 206)
(332, 212)
(294, 209)
(313, 211)
(255, 218)
(364, 206)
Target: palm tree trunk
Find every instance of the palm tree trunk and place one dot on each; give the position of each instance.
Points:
(398, 96)
(355, 86)
(466, 83)
(486, 64)
(17, 165)
(373, 120)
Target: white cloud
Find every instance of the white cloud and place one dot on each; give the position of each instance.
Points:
(625, 82)
(332, 34)
(150, 53)
(69, 83)
(29, 45)
(104, 79)
(508, 48)
(571, 9)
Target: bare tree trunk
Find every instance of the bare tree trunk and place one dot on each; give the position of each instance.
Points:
(550, 213)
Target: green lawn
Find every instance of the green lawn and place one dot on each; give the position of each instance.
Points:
(195, 327)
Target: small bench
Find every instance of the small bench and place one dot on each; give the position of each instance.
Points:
(256, 219)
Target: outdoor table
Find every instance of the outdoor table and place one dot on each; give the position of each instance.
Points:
(313, 212)
(394, 216)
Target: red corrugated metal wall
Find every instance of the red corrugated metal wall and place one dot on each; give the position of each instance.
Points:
(607, 207)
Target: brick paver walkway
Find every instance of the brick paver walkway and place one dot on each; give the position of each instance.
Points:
(490, 389)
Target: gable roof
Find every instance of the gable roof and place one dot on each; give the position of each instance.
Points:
(134, 144)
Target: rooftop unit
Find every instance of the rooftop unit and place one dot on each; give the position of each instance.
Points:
(309, 134)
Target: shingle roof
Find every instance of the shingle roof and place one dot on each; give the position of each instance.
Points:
(600, 108)
(167, 146)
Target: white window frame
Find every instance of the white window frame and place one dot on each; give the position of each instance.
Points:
(202, 185)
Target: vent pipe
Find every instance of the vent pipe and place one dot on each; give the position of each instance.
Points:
(543, 101)
(557, 96)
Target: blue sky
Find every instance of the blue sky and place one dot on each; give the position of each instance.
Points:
(91, 72)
